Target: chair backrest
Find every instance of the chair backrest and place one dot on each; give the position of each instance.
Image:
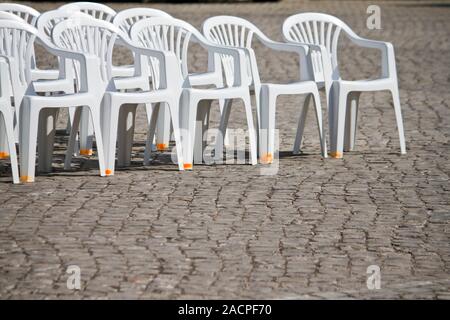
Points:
(16, 43)
(48, 20)
(9, 16)
(125, 19)
(234, 32)
(168, 35)
(230, 31)
(28, 14)
(95, 10)
(319, 29)
(88, 36)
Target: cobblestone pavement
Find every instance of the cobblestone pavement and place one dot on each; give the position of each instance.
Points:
(226, 231)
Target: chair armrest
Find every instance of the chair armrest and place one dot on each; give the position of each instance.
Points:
(65, 85)
(39, 74)
(137, 82)
(122, 71)
(200, 79)
(301, 49)
(239, 59)
(169, 70)
(82, 58)
(387, 53)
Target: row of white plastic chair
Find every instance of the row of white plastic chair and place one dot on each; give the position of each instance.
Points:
(102, 98)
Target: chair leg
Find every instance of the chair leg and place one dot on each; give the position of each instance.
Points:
(28, 139)
(201, 127)
(251, 131)
(76, 149)
(257, 93)
(399, 119)
(174, 115)
(301, 125)
(339, 126)
(351, 121)
(163, 129)
(149, 111)
(70, 119)
(86, 133)
(188, 120)
(267, 134)
(223, 106)
(127, 114)
(151, 133)
(323, 140)
(96, 122)
(332, 95)
(46, 138)
(225, 116)
(72, 137)
(4, 154)
(109, 131)
(6, 119)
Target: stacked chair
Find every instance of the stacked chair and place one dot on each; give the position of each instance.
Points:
(102, 97)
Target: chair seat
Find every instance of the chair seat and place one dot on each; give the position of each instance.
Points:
(140, 96)
(366, 85)
(60, 101)
(40, 74)
(219, 93)
(291, 88)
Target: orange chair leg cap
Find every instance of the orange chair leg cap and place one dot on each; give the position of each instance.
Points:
(86, 152)
(161, 146)
(4, 155)
(25, 179)
(108, 172)
(187, 166)
(267, 158)
(336, 155)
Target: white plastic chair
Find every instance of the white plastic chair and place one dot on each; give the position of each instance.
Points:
(4, 15)
(67, 79)
(125, 20)
(7, 118)
(237, 32)
(322, 29)
(20, 85)
(13, 31)
(16, 39)
(173, 35)
(27, 14)
(103, 13)
(165, 88)
(30, 16)
(75, 37)
(95, 10)
(4, 146)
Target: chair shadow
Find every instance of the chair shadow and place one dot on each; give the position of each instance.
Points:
(160, 161)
